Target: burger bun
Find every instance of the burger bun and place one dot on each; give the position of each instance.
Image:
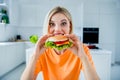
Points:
(57, 38)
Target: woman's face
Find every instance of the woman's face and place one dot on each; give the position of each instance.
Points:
(59, 24)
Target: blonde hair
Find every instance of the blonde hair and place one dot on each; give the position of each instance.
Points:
(55, 10)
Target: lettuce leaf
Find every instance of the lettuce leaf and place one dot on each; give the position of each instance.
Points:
(52, 45)
(33, 39)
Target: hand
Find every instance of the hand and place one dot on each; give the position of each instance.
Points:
(77, 47)
(39, 47)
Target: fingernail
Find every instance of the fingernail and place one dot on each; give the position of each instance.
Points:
(66, 34)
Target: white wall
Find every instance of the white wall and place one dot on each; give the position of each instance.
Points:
(117, 56)
(7, 32)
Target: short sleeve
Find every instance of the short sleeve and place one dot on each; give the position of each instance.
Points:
(87, 51)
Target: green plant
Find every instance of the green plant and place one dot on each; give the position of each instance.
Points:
(4, 18)
(3, 11)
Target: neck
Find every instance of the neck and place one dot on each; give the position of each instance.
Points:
(59, 52)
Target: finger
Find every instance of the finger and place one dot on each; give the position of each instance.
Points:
(46, 36)
(73, 37)
(49, 35)
(42, 39)
(40, 43)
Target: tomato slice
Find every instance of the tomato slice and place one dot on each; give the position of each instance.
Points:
(61, 42)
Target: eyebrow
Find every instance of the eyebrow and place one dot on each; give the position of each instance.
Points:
(63, 20)
(51, 21)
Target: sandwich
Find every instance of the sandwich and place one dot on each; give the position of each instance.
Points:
(58, 42)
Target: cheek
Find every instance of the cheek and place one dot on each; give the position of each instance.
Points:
(50, 30)
(67, 30)
(70, 30)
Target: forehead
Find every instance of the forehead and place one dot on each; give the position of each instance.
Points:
(58, 17)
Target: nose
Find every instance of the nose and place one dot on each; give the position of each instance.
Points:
(57, 28)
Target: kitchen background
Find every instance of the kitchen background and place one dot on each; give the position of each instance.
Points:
(27, 16)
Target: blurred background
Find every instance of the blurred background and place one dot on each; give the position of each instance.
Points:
(19, 19)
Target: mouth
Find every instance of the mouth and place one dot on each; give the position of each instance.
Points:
(58, 34)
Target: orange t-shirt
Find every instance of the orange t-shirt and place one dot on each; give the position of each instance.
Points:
(60, 67)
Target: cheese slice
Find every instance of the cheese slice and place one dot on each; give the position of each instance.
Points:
(62, 43)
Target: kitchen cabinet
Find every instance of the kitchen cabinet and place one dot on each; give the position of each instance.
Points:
(102, 62)
(12, 54)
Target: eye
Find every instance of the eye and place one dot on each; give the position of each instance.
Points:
(52, 24)
(63, 23)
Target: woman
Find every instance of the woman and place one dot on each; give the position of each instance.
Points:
(60, 65)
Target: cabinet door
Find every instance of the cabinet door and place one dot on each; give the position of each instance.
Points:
(11, 55)
(102, 63)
